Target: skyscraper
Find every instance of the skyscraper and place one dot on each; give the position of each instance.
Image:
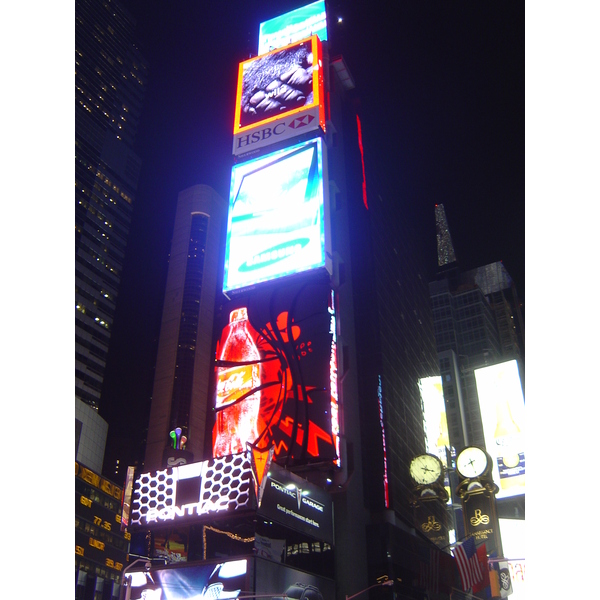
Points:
(478, 322)
(180, 393)
(380, 320)
(110, 79)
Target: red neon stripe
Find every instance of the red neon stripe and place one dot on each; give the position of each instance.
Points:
(362, 158)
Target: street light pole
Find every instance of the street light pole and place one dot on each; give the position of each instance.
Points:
(123, 579)
(386, 583)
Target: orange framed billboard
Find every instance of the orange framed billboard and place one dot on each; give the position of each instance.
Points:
(280, 95)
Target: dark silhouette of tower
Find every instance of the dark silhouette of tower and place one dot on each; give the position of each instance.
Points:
(110, 79)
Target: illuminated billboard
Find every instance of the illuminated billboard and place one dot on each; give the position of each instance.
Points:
(293, 26)
(280, 95)
(435, 424)
(192, 491)
(276, 376)
(503, 418)
(298, 504)
(228, 579)
(278, 220)
(209, 580)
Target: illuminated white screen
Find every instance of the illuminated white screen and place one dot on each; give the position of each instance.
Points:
(293, 26)
(276, 217)
(503, 418)
(435, 424)
(514, 545)
(434, 416)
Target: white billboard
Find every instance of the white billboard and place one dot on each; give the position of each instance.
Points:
(502, 407)
(435, 424)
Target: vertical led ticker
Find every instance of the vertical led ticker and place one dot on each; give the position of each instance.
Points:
(385, 470)
(335, 422)
(362, 158)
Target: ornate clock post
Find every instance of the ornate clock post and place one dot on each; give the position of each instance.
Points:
(477, 493)
(429, 498)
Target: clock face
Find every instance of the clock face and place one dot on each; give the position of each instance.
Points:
(472, 462)
(425, 469)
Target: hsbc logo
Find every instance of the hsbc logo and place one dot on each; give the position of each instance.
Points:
(302, 121)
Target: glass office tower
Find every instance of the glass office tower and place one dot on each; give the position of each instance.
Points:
(110, 78)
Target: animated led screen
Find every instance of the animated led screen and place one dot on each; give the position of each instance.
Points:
(503, 418)
(209, 580)
(285, 82)
(277, 220)
(293, 26)
(276, 376)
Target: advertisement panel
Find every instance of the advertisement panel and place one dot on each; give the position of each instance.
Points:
(503, 418)
(278, 222)
(293, 26)
(282, 582)
(435, 424)
(279, 95)
(297, 504)
(276, 375)
(231, 579)
(514, 545)
(209, 580)
(193, 491)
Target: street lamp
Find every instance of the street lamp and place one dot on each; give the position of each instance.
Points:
(148, 562)
(386, 583)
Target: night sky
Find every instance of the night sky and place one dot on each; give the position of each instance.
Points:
(442, 92)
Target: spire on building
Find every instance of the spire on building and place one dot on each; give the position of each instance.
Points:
(445, 249)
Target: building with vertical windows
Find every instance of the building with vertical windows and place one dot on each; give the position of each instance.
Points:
(478, 322)
(183, 363)
(110, 79)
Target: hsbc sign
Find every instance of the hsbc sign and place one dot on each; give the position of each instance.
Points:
(273, 132)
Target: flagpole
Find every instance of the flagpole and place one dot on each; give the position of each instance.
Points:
(387, 583)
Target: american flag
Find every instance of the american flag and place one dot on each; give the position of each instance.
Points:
(468, 564)
(429, 571)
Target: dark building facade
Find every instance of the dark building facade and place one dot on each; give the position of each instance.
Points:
(478, 322)
(388, 345)
(183, 363)
(110, 78)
